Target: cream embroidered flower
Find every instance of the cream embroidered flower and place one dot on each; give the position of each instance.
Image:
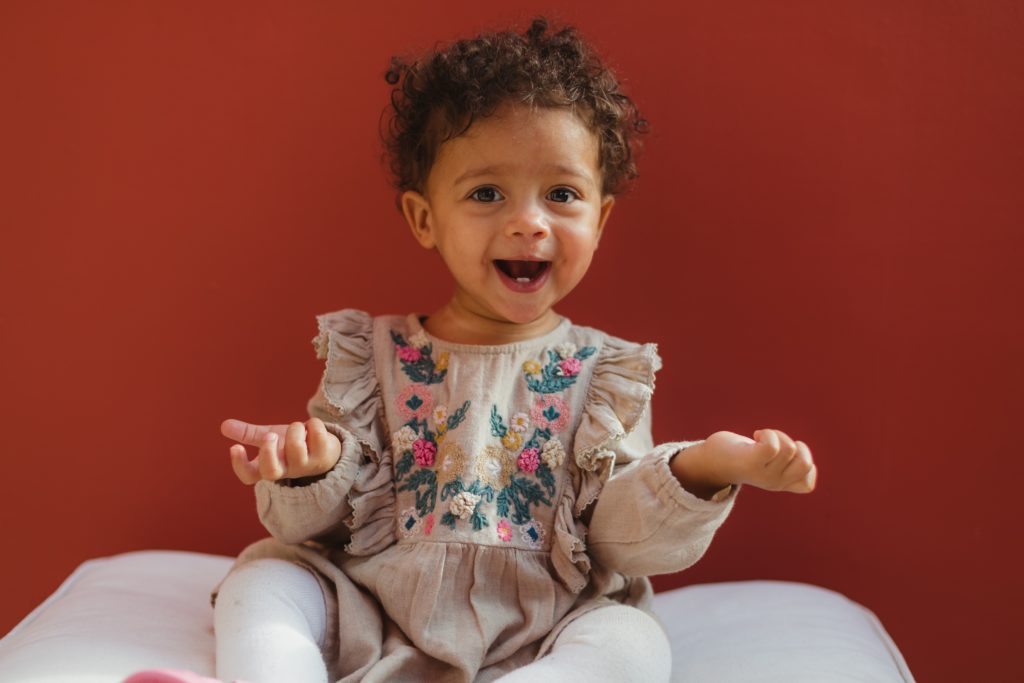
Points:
(494, 466)
(567, 350)
(463, 504)
(552, 453)
(403, 439)
(440, 415)
(519, 422)
(452, 461)
(419, 340)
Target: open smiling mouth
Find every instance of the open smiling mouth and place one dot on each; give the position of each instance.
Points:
(523, 276)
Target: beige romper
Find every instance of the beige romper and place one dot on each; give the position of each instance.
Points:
(485, 496)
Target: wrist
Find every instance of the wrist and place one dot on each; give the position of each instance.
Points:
(699, 471)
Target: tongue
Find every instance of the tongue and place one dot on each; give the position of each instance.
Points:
(519, 269)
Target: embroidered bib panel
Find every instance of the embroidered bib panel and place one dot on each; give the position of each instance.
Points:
(480, 435)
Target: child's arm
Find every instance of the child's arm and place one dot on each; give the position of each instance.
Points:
(771, 461)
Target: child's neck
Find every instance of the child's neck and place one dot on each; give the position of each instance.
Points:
(454, 323)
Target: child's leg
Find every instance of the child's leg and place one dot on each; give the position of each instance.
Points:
(611, 644)
(270, 622)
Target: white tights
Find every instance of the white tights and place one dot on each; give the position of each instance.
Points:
(270, 621)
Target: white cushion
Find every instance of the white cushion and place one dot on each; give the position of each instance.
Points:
(116, 615)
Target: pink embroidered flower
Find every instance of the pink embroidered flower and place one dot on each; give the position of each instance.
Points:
(504, 530)
(414, 401)
(423, 451)
(570, 367)
(529, 460)
(409, 354)
(550, 412)
(428, 524)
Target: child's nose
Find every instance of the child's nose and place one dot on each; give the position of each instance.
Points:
(528, 222)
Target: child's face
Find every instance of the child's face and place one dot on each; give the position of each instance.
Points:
(514, 208)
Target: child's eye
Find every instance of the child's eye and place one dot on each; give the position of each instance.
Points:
(563, 195)
(485, 194)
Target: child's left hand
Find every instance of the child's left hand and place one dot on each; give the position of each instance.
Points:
(771, 460)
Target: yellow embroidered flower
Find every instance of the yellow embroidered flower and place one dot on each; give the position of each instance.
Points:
(512, 440)
(439, 437)
(451, 462)
(442, 362)
(494, 466)
(531, 367)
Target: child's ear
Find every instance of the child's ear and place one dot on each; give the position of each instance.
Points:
(416, 210)
(606, 210)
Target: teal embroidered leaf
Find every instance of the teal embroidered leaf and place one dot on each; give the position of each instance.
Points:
(521, 493)
(547, 478)
(498, 427)
(403, 465)
(483, 490)
(398, 339)
(427, 498)
(586, 352)
(414, 403)
(452, 488)
(448, 519)
(456, 418)
(478, 520)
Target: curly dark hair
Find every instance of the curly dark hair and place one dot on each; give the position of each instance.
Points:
(439, 96)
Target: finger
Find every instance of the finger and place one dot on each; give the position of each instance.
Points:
(797, 471)
(271, 467)
(296, 456)
(247, 433)
(247, 471)
(324, 447)
(768, 444)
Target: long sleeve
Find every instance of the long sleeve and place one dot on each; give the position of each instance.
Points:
(644, 522)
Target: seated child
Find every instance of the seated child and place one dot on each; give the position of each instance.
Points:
(477, 495)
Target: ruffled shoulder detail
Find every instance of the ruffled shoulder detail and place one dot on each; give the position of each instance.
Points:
(350, 393)
(617, 399)
(616, 403)
(349, 385)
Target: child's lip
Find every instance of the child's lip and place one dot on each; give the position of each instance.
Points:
(523, 287)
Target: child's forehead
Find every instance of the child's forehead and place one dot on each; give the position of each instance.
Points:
(549, 138)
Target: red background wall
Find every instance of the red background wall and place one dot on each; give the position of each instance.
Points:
(825, 239)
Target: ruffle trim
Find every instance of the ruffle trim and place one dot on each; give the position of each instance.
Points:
(345, 341)
(617, 399)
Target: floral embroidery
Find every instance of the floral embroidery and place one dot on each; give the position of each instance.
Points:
(553, 454)
(440, 415)
(451, 461)
(494, 466)
(423, 452)
(417, 445)
(519, 422)
(428, 524)
(403, 439)
(408, 522)
(560, 372)
(566, 350)
(419, 340)
(414, 402)
(529, 460)
(515, 500)
(532, 367)
(550, 412)
(463, 504)
(466, 503)
(416, 356)
(512, 440)
(532, 534)
(505, 530)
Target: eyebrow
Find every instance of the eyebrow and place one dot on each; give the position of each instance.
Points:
(493, 170)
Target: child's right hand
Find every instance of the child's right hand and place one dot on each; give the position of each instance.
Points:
(285, 451)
